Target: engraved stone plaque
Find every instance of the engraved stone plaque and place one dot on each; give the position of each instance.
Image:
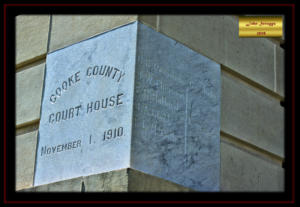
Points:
(86, 114)
(130, 97)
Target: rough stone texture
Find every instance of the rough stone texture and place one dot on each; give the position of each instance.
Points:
(280, 70)
(31, 37)
(125, 180)
(241, 171)
(176, 113)
(25, 158)
(114, 181)
(29, 87)
(141, 182)
(149, 20)
(69, 29)
(216, 36)
(251, 115)
(72, 185)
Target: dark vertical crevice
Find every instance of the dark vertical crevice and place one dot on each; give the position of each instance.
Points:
(82, 186)
(283, 164)
(49, 33)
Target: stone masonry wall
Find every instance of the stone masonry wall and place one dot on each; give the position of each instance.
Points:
(252, 119)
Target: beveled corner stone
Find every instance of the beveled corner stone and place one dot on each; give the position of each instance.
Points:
(130, 98)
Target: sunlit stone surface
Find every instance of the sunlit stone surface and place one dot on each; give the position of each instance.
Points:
(130, 97)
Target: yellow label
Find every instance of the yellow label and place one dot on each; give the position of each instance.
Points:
(259, 26)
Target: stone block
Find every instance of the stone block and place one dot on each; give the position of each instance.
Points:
(252, 115)
(87, 100)
(25, 159)
(244, 172)
(29, 88)
(113, 181)
(131, 97)
(124, 180)
(251, 57)
(149, 20)
(31, 37)
(280, 71)
(202, 33)
(72, 185)
(142, 182)
(70, 29)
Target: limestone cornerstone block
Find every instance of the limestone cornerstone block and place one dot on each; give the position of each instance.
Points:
(86, 116)
(130, 97)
